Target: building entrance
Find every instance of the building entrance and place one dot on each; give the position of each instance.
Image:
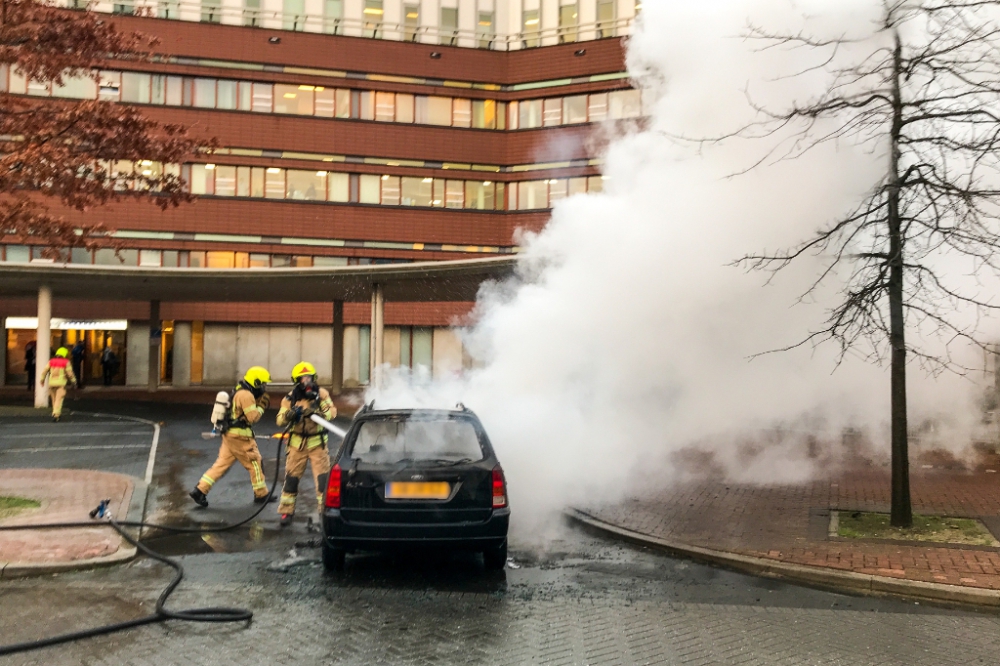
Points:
(95, 336)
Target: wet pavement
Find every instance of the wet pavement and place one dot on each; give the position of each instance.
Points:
(576, 600)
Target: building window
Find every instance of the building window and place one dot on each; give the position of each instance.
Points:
(417, 191)
(333, 16)
(167, 9)
(110, 87)
(530, 114)
(211, 11)
(532, 195)
(411, 22)
(433, 110)
(449, 25)
(454, 196)
(530, 29)
(567, 24)
(274, 183)
(226, 95)
(370, 189)
(150, 258)
(204, 93)
(624, 104)
(597, 107)
(298, 100)
(574, 109)
(606, 18)
(225, 181)
(479, 195)
(484, 114)
(484, 30)
(251, 12)
(340, 187)
(294, 17)
(262, 100)
(307, 185)
(385, 107)
(462, 113)
(135, 88)
(552, 112)
(404, 108)
(372, 18)
(390, 190)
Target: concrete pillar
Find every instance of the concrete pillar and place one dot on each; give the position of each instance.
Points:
(42, 337)
(337, 384)
(377, 351)
(182, 353)
(155, 336)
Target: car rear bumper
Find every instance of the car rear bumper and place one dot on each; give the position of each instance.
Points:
(354, 535)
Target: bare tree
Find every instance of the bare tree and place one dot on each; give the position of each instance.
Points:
(923, 88)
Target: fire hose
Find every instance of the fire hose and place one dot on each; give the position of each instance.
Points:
(161, 613)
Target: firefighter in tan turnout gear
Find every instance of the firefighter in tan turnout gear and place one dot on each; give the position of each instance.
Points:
(238, 444)
(307, 441)
(59, 373)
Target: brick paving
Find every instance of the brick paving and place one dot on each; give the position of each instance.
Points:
(65, 496)
(790, 523)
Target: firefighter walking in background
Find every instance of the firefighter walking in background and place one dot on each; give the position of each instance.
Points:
(238, 444)
(59, 373)
(307, 441)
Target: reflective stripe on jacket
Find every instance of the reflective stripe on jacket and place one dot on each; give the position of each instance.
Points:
(306, 430)
(59, 372)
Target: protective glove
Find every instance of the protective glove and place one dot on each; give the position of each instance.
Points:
(264, 401)
(296, 414)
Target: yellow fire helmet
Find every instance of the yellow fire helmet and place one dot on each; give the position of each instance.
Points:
(302, 369)
(62, 352)
(257, 376)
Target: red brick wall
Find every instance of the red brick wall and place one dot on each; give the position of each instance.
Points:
(235, 43)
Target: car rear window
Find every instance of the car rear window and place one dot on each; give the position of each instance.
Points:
(396, 440)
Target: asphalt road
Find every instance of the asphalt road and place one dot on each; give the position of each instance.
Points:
(576, 599)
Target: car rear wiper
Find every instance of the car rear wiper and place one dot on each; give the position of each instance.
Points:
(448, 462)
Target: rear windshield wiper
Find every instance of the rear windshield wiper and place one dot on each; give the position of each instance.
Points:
(448, 461)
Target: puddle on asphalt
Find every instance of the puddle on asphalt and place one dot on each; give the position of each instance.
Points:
(241, 540)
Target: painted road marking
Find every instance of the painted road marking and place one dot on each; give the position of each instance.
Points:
(75, 434)
(44, 449)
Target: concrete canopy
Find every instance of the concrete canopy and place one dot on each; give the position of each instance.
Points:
(423, 281)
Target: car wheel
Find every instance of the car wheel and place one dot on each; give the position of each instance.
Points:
(495, 558)
(333, 558)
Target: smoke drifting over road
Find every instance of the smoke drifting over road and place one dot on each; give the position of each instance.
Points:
(624, 348)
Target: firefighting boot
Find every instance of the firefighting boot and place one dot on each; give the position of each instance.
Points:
(199, 498)
(286, 519)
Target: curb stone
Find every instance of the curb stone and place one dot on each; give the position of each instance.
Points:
(830, 579)
(136, 511)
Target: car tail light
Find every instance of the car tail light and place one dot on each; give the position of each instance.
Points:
(499, 488)
(333, 489)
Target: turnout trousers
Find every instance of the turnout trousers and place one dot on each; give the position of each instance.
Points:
(236, 449)
(57, 394)
(295, 466)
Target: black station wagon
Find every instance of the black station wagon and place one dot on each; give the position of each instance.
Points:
(415, 478)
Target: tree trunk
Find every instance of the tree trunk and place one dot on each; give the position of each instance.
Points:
(902, 512)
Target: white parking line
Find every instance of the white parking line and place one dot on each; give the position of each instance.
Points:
(38, 435)
(43, 449)
(152, 453)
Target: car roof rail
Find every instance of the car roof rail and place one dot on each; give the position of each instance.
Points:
(462, 408)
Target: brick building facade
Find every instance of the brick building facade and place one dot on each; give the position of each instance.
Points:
(340, 143)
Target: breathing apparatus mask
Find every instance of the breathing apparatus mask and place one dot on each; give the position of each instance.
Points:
(305, 389)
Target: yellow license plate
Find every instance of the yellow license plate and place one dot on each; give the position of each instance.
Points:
(415, 490)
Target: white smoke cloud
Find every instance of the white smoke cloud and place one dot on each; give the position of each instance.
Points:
(629, 336)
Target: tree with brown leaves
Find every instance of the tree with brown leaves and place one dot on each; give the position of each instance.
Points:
(62, 148)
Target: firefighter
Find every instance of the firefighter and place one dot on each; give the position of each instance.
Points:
(238, 444)
(307, 440)
(59, 372)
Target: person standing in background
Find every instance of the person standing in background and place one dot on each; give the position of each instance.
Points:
(29, 363)
(79, 353)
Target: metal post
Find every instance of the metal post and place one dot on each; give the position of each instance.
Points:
(155, 335)
(338, 348)
(43, 338)
(376, 354)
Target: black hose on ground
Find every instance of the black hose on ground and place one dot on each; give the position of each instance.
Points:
(161, 614)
